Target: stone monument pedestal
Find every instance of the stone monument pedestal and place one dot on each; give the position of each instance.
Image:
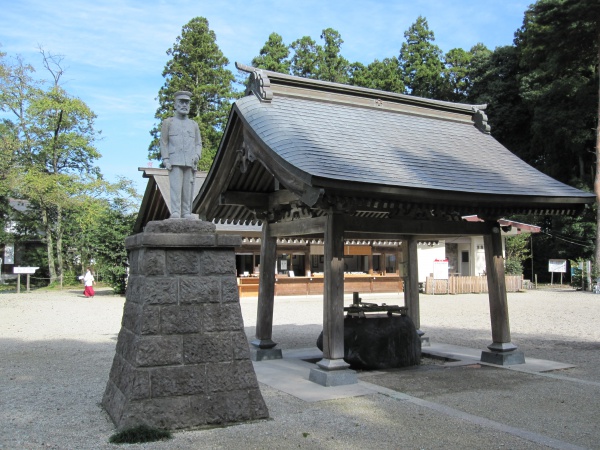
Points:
(182, 358)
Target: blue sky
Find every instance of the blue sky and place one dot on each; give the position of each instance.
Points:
(115, 50)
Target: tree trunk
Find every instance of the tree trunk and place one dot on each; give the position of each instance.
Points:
(597, 178)
(49, 246)
(59, 240)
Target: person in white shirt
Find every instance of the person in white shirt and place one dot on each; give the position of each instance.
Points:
(88, 281)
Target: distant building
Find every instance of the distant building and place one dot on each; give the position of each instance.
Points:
(379, 260)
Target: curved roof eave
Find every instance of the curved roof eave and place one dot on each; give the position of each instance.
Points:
(358, 149)
(399, 193)
(319, 137)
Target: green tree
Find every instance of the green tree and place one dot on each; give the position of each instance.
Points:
(559, 49)
(495, 81)
(274, 55)
(197, 65)
(114, 225)
(517, 251)
(332, 66)
(304, 60)
(457, 64)
(17, 89)
(420, 61)
(52, 139)
(311, 60)
(382, 75)
(47, 143)
(558, 45)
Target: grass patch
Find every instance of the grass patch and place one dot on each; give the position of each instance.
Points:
(139, 434)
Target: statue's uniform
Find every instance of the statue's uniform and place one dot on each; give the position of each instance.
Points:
(180, 142)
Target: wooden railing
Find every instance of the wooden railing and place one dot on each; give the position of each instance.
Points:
(469, 285)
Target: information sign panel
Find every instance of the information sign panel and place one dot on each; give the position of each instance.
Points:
(557, 265)
(25, 269)
(440, 269)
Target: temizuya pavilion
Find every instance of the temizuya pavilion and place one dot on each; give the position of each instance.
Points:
(312, 158)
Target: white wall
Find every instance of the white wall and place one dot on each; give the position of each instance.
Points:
(426, 254)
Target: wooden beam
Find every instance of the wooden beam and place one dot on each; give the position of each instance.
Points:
(374, 226)
(281, 197)
(258, 199)
(251, 200)
(302, 227)
(362, 228)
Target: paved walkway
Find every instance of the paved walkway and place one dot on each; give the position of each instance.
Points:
(56, 350)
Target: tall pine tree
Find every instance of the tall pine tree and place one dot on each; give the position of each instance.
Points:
(197, 65)
(421, 61)
(382, 75)
(320, 62)
(274, 55)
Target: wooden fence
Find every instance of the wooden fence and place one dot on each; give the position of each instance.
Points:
(469, 285)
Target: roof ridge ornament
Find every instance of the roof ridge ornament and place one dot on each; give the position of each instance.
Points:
(258, 83)
(481, 119)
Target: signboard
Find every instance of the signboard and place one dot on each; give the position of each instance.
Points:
(440, 269)
(25, 269)
(357, 250)
(9, 254)
(557, 265)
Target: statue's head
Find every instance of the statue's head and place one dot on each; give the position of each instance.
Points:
(182, 102)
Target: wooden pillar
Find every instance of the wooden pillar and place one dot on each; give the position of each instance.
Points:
(330, 370)
(370, 262)
(502, 349)
(306, 263)
(405, 280)
(266, 298)
(411, 292)
(333, 302)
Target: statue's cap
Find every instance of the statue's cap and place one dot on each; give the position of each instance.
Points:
(183, 94)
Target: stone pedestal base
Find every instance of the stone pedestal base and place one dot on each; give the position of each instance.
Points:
(182, 358)
(264, 349)
(503, 358)
(264, 354)
(330, 378)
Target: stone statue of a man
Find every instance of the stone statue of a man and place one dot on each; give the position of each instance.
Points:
(180, 148)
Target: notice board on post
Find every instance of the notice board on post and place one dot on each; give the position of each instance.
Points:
(557, 265)
(440, 269)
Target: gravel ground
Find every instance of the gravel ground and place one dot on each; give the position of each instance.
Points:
(56, 349)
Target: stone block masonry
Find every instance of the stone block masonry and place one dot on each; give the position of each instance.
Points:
(182, 358)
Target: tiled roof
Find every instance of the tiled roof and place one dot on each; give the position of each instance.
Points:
(368, 153)
(339, 141)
